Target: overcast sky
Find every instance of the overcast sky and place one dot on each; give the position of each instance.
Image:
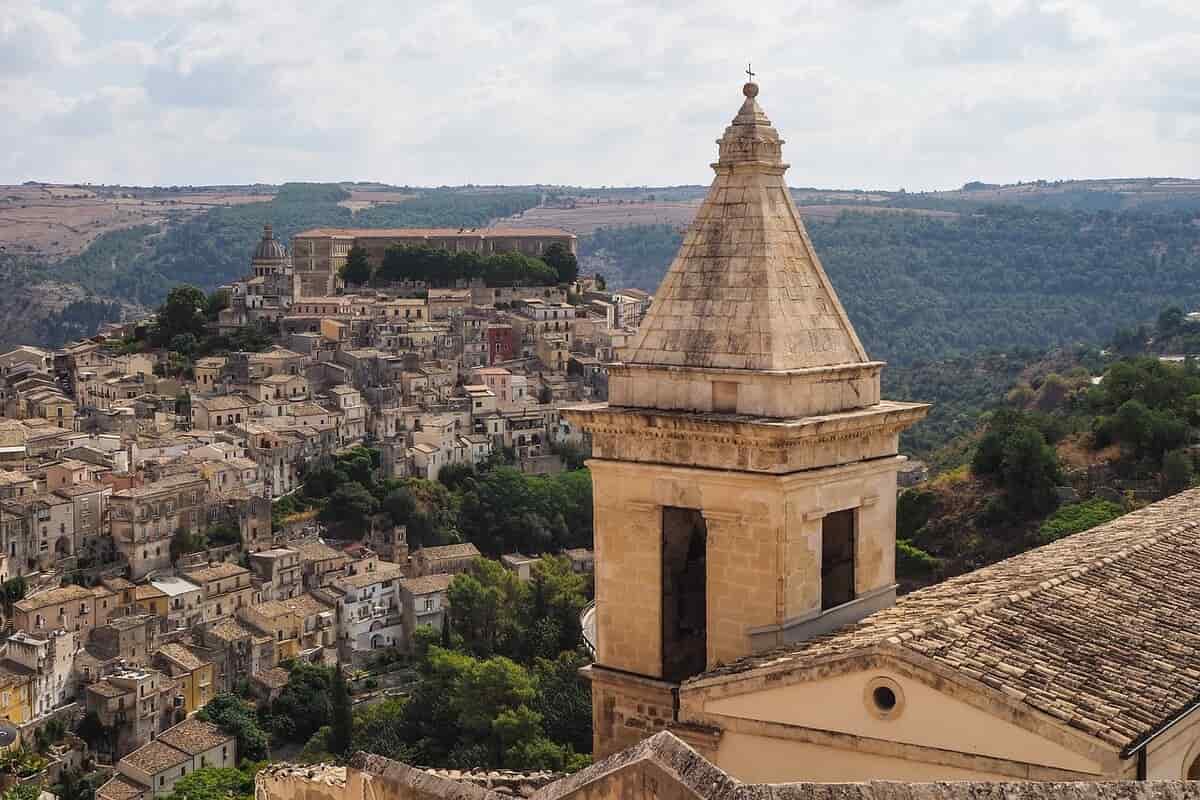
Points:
(868, 93)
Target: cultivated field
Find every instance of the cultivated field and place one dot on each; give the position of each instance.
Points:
(361, 199)
(55, 222)
(587, 215)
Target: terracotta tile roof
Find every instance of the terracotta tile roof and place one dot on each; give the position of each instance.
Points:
(215, 572)
(14, 674)
(385, 572)
(427, 584)
(306, 605)
(226, 402)
(156, 756)
(147, 592)
(120, 788)
(194, 736)
(63, 594)
(182, 656)
(165, 485)
(1094, 629)
(318, 551)
(466, 550)
(230, 630)
(106, 689)
(273, 678)
(271, 609)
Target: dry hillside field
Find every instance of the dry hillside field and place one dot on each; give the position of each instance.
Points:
(587, 215)
(56, 222)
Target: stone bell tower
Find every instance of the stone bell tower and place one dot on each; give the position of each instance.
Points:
(744, 467)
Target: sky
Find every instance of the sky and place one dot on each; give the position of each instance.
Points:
(887, 94)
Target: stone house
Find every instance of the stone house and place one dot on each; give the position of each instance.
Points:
(320, 564)
(301, 625)
(447, 559)
(135, 704)
(144, 519)
(207, 372)
(520, 564)
(178, 751)
(424, 602)
(192, 671)
(237, 651)
(226, 588)
(184, 601)
(130, 638)
(89, 505)
(69, 608)
(212, 413)
(50, 662)
(47, 526)
(278, 573)
(369, 615)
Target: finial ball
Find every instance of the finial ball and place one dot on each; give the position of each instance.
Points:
(750, 89)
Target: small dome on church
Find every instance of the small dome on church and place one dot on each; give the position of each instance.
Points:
(269, 248)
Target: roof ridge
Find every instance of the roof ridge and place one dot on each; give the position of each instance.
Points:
(991, 604)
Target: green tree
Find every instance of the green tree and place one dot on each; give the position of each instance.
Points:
(341, 732)
(11, 591)
(455, 476)
(400, 504)
(303, 705)
(1170, 321)
(183, 312)
(357, 269)
(350, 505)
(564, 263)
(215, 783)
(237, 717)
(1014, 452)
(22, 791)
(1178, 473)
(1077, 517)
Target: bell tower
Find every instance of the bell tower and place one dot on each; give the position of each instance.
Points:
(744, 467)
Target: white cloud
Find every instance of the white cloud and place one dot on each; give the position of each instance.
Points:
(869, 93)
(33, 38)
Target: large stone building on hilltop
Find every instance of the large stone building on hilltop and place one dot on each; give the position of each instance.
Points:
(319, 254)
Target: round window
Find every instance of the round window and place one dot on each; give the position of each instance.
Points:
(884, 698)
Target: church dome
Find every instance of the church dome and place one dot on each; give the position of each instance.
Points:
(269, 248)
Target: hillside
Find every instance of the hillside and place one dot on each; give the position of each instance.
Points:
(1003, 278)
(1077, 437)
(135, 266)
(926, 277)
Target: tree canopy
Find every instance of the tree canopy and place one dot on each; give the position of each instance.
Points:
(357, 269)
(237, 718)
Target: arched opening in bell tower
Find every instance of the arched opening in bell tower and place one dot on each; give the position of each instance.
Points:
(684, 596)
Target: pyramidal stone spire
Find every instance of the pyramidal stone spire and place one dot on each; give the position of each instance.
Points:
(747, 290)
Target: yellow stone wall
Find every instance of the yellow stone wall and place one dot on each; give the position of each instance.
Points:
(764, 551)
